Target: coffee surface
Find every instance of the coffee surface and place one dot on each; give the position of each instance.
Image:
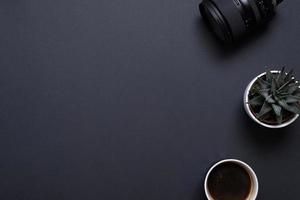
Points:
(229, 181)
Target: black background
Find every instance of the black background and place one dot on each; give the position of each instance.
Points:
(133, 99)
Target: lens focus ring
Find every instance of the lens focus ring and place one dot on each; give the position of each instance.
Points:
(266, 9)
(247, 13)
(230, 19)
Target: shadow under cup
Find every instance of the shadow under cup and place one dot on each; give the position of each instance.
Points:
(231, 179)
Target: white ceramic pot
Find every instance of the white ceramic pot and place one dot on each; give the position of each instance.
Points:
(254, 181)
(252, 116)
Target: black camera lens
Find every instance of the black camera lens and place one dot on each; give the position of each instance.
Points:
(230, 19)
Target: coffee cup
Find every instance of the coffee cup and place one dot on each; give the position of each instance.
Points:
(231, 179)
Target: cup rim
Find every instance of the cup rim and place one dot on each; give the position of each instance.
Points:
(254, 191)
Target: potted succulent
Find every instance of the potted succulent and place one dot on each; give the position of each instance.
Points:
(272, 99)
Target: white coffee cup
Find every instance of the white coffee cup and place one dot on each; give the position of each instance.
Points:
(254, 182)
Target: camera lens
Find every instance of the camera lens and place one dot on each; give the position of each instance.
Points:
(230, 19)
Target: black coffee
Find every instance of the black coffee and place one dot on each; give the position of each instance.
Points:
(229, 181)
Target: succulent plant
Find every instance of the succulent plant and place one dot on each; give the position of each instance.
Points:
(275, 94)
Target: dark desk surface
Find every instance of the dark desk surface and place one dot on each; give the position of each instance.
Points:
(134, 100)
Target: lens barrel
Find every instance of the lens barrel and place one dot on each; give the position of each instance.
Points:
(231, 19)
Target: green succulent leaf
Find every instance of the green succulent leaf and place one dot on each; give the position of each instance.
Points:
(277, 109)
(274, 86)
(281, 76)
(264, 90)
(269, 76)
(270, 100)
(267, 96)
(279, 119)
(294, 108)
(293, 87)
(256, 101)
(264, 93)
(263, 84)
(278, 112)
(292, 99)
(264, 109)
(297, 93)
(289, 75)
(284, 87)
